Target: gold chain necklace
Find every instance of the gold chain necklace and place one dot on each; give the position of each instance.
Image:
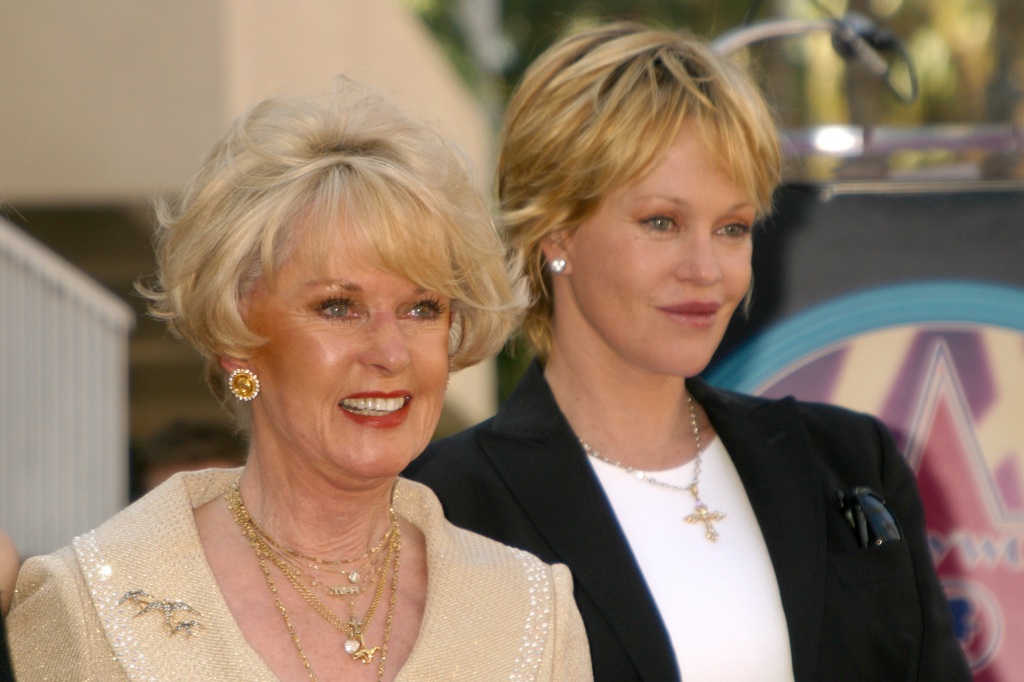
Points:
(701, 513)
(357, 579)
(354, 628)
(313, 560)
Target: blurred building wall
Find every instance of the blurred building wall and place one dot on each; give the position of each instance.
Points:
(114, 100)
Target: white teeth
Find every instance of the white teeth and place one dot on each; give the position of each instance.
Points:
(375, 407)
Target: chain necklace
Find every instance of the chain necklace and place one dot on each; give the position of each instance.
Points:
(701, 513)
(356, 579)
(354, 628)
(353, 575)
(313, 560)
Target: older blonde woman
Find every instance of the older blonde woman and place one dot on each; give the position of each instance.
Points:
(704, 529)
(333, 264)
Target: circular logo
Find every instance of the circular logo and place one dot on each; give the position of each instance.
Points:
(977, 620)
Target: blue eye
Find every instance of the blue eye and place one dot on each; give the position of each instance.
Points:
(660, 223)
(336, 307)
(427, 309)
(736, 230)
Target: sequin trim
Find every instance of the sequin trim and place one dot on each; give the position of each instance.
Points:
(116, 621)
(538, 619)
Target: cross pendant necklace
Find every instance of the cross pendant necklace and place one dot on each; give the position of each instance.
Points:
(701, 513)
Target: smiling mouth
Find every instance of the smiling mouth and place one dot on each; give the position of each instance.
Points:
(374, 407)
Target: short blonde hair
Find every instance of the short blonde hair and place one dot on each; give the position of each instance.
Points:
(595, 112)
(307, 164)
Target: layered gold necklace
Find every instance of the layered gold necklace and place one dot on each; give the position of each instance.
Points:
(370, 568)
(356, 576)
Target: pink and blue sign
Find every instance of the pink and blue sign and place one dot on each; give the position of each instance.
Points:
(942, 363)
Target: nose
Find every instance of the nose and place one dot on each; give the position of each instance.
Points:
(386, 346)
(698, 259)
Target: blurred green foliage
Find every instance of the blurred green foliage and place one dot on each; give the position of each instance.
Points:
(969, 54)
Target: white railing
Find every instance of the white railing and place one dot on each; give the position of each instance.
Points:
(63, 397)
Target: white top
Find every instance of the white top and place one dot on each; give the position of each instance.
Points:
(720, 601)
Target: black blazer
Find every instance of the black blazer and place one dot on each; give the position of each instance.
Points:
(6, 673)
(875, 614)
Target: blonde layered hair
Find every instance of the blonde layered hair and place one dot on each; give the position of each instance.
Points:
(295, 169)
(599, 109)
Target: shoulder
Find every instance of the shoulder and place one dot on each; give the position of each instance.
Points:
(854, 445)
(529, 415)
(52, 612)
(465, 441)
(420, 505)
(849, 440)
(461, 554)
(152, 531)
(486, 596)
(86, 597)
(821, 421)
(164, 514)
(51, 577)
(529, 418)
(720, 399)
(139, 534)
(451, 460)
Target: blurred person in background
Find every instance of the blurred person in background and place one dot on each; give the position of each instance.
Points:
(333, 263)
(184, 446)
(711, 535)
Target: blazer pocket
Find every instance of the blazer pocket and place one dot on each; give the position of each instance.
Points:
(874, 564)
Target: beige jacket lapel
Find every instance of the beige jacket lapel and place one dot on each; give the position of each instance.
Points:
(155, 595)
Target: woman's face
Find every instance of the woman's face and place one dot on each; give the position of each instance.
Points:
(653, 277)
(353, 376)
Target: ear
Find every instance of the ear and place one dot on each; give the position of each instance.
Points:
(554, 246)
(231, 364)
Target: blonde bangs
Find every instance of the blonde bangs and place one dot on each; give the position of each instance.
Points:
(387, 216)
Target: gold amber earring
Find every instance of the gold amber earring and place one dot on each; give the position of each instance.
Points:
(244, 384)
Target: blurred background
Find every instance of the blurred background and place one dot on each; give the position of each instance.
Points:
(969, 53)
(110, 103)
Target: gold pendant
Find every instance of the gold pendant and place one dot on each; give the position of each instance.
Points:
(342, 591)
(355, 648)
(702, 515)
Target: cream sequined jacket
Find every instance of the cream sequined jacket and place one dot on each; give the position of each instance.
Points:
(492, 613)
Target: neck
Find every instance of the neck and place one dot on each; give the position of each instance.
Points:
(638, 418)
(307, 512)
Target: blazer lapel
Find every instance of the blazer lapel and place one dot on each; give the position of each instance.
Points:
(148, 576)
(780, 473)
(535, 451)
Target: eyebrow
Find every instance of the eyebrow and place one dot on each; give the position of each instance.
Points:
(738, 206)
(346, 286)
(333, 284)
